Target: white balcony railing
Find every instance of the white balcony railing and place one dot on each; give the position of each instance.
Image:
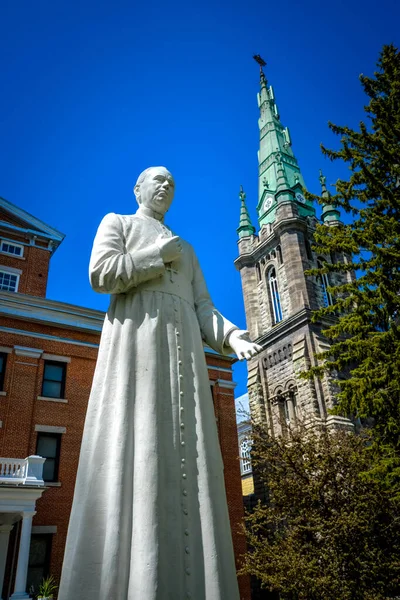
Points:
(22, 471)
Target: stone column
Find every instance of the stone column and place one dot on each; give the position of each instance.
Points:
(291, 411)
(23, 558)
(4, 537)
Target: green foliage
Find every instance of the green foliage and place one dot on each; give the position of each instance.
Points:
(47, 587)
(365, 336)
(327, 532)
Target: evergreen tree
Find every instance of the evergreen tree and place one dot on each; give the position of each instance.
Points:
(365, 333)
(327, 533)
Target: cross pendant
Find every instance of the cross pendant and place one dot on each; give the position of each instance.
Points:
(171, 271)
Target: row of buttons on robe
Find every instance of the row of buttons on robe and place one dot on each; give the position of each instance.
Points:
(182, 437)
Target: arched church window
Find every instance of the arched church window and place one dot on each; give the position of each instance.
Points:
(245, 457)
(290, 406)
(274, 294)
(293, 400)
(286, 411)
(324, 284)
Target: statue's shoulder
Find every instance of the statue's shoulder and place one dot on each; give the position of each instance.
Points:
(126, 222)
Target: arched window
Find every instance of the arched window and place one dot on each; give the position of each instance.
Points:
(293, 401)
(245, 458)
(286, 411)
(290, 410)
(274, 294)
(324, 284)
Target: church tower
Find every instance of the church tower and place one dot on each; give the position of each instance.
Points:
(278, 297)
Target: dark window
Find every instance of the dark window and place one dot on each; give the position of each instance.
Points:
(274, 295)
(308, 250)
(12, 248)
(39, 560)
(54, 379)
(258, 271)
(8, 281)
(48, 446)
(3, 361)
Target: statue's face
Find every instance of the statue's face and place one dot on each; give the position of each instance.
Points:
(157, 190)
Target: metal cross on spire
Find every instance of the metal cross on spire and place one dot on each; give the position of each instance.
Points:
(260, 61)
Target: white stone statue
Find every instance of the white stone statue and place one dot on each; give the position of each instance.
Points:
(149, 519)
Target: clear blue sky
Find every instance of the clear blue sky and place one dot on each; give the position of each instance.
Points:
(93, 92)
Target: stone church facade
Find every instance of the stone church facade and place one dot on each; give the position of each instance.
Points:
(278, 297)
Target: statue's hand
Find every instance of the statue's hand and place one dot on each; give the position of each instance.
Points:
(241, 344)
(170, 248)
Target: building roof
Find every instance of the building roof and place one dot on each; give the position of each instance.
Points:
(23, 222)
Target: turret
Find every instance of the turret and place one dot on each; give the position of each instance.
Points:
(330, 214)
(245, 228)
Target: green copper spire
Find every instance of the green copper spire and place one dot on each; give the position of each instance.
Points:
(330, 214)
(280, 178)
(245, 227)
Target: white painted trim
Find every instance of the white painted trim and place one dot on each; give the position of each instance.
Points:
(62, 400)
(31, 221)
(56, 357)
(226, 384)
(20, 362)
(44, 336)
(3, 393)
(11, 243)
(26, 351)
(7, 270)
(47, 311)
(44, 528)
(50, 429)
(220, 369)
(6, 349)
(52, 483)
(10, 269)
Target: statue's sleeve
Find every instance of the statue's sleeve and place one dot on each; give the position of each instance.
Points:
(114, 271)
(215, 329)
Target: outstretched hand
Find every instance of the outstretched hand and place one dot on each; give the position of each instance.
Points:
(241, 344)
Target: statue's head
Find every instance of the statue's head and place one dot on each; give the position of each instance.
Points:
(154, 189)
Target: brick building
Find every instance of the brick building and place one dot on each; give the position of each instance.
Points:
(48, 352)
(278, 297)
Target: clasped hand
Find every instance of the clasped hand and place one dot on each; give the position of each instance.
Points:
(170, 248)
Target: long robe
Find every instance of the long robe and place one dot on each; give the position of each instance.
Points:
(149, 519)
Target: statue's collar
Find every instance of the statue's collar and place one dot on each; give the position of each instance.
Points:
(142, 211)
(158, 225)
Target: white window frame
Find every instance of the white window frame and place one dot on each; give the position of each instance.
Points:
(245, 456)
(10, 243)
(274, 294)
(6, 271)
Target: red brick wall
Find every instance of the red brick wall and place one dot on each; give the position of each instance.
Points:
(20, 410)
(34, 266)
(224, 406)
